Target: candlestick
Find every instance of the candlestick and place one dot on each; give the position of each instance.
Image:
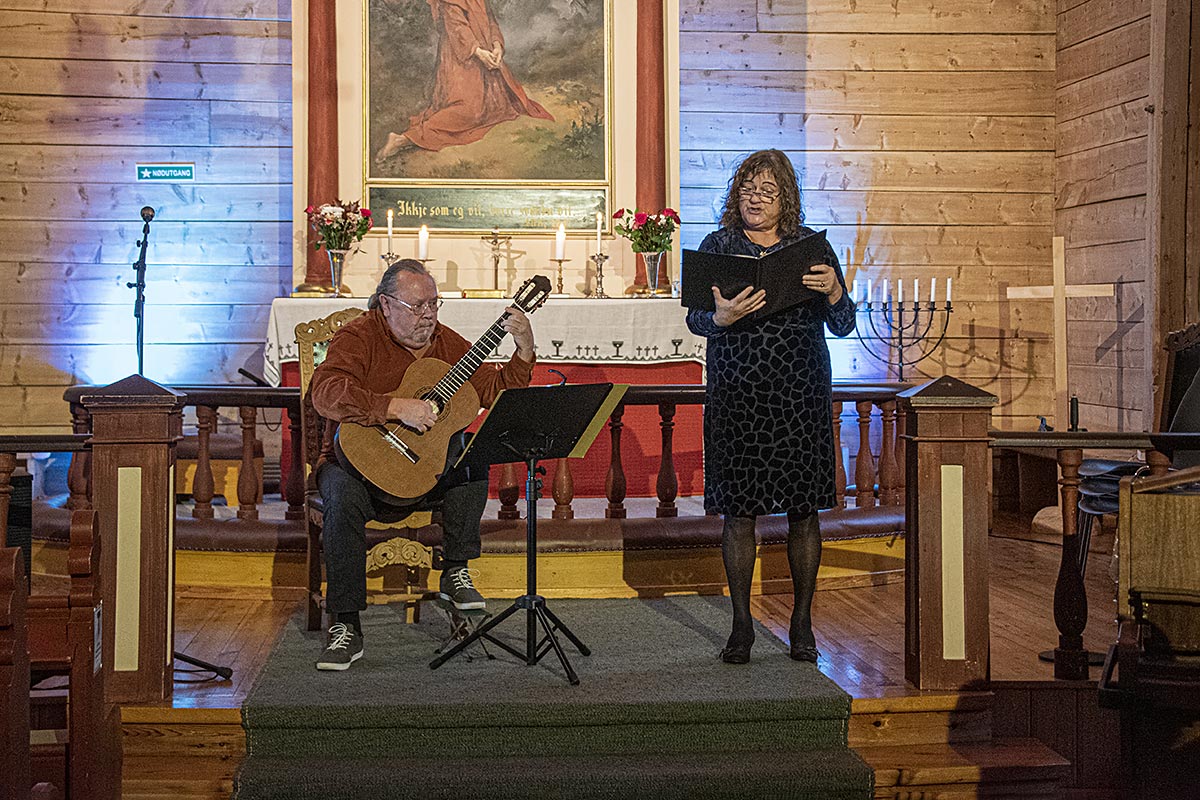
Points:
(560, 262)
(916, 292)
(949, 290)
(391, 214)
(933, 291)
(868, 292)
(886, 294)
(854, 291)
(900, 293)
(599, 229)
(599, 258)
(560, 243)
(423, 243)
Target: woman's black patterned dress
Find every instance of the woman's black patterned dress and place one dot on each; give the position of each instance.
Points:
(768, 427)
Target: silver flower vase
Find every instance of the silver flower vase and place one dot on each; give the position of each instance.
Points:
(337, 267)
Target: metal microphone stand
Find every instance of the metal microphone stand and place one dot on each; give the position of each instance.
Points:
(139, 313)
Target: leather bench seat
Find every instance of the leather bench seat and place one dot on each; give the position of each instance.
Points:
(508, 536)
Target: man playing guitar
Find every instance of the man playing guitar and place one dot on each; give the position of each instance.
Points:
(366, 361)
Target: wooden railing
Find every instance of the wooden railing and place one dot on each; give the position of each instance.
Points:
(10, 446)
(877, 475)
(207, 401)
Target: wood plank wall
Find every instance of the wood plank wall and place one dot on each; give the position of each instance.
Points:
(92, 88)
(925, 138)
(1102, 89)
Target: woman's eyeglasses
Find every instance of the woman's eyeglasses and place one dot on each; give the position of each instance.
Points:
(426, 307)
(766, 195)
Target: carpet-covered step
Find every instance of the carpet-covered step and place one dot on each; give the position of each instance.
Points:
(1011, 768)
(652, 684)
(834, 774)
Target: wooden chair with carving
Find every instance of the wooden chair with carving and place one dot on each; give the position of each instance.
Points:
(402, 562)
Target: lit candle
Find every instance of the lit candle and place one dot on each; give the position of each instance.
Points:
(933, 291)
(868, 291)
(949, 289)
(391, 214)
(886, 294)
(599, 228)
(916, 293)
(560, 242)
(423, 243)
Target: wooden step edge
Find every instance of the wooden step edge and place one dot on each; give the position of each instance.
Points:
(920, 727)
(998, 761)
(161, 714)
(901, 704)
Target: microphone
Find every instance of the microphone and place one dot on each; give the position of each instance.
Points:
(147, 213)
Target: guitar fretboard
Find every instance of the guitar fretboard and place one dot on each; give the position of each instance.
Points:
(466, 366)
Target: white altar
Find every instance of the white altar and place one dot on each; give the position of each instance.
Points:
(619, 331)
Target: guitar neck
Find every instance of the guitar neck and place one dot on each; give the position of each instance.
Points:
(466, 366)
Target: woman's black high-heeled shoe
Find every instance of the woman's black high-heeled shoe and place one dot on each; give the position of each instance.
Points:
(737, 651)
(800, 653)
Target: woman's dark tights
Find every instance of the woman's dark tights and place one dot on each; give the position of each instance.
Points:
(739, 550)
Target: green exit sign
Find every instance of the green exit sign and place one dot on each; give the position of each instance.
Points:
(172, 173)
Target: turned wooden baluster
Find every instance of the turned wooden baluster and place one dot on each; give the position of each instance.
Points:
(564, 490)
(667, 485)
(1070, 597)
(509, 492)
(295, 476)
(8, 463)
(901, 455)
(79, 474)
(202, 482)
(839, 473)
(614, 483)
(864, 469)
(248, 480)
(889, 471)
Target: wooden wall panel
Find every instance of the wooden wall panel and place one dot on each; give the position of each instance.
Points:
(924, 136)
(96, 87)
(1102, 79)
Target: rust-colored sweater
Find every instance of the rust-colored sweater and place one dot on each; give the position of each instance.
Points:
(365, 362)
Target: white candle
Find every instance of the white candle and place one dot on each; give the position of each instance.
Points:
(599, 228)
(900, 293)
(391, 214)
(854, 291)
(560, 242)
(868, 291)
(423, 243)
(933, 291)
(949, 289)
(916, 292)
(886, 294)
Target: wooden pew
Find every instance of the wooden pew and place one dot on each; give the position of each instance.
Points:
(63, 633)
(15, 780)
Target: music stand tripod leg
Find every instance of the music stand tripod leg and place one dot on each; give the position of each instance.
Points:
(580, 646)
(543, 617)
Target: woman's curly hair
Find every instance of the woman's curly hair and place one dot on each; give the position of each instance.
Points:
(778, 166)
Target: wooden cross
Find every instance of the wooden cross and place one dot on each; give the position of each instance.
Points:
(1059, 291)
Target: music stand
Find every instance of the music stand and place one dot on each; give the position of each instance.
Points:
(529, 425)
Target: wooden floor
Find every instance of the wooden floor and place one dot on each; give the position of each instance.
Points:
(859, 631)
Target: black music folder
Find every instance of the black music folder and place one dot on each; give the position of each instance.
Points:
(779, 273)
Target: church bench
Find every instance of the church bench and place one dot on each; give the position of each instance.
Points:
(15, 779)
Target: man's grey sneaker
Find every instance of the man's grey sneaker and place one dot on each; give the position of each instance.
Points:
(456, 587)
(345, 646)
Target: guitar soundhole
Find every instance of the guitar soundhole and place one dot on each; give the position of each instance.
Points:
(429, 395)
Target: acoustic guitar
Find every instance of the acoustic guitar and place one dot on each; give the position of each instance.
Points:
(404, 463)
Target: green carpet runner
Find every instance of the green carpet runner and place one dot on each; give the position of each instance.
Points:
(656, 715)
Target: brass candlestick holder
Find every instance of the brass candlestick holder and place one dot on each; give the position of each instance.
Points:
(598, 259)
(560, 262)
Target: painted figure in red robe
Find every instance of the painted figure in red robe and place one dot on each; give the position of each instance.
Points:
(473, 88)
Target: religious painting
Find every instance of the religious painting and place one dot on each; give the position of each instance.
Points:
(485, 114)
